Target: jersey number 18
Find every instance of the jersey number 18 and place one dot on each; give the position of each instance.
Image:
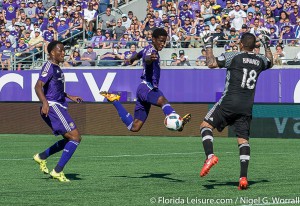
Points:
(249, 82)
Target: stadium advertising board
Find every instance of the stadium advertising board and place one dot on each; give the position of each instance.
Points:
(179, 85)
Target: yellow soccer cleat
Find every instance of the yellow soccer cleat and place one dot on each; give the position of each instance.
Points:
(185, 119)
(110, 96)
(60, 176)
(42, 163)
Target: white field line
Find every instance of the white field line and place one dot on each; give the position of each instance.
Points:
(138, 155)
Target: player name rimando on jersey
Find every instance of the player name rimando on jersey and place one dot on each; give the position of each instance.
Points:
(251, 61)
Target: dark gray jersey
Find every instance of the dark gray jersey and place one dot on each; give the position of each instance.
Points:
(243, 69)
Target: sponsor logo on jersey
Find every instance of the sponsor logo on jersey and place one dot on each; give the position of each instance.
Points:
(211, 119)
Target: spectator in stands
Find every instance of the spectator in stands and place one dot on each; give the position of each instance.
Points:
(27, 36)
(98, 40)
(21, 51)
(287, 36)
(232, 37)
(107, 22)
(108, 42)
(5, 52)
(183, 59)
(141, 42)
(295, 14)
(272, 23)
(49, 35)
(213, 24)
(256, 29)
(90, 17)
(125, 21)
(169, 6)
(206, 10)
(36, 43)
(30, 11)
(201, 60)
(282, 18)
(235, 48)
(128, 54)
(130, 15)
(185, 13)
(111, 58)
(157, 19)
(279, 56)
(273, 36)
(119, 30)
(157, 6)
(74, 59)
(194, 38)
(219, 36)
(175, 61)
(151, 26)
(10, 10)
(76, 25)
(89, 57)
(125, 41)
(28, 24)
(63, 30)
(228, 8)
(297, 30)
(237, 16)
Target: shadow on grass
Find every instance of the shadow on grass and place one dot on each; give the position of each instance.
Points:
(71, 177)
(155, 175)
(213, 183)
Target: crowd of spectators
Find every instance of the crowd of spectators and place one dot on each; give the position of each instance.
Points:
(24, 24)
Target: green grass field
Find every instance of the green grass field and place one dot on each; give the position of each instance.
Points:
(137, 170)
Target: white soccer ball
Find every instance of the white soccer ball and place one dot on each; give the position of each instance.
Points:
(173, 122)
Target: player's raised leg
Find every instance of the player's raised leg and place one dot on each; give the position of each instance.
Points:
(207, 141)
(125, 116)
(244, 148)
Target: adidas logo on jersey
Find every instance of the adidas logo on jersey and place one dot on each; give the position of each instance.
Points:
(211, 119)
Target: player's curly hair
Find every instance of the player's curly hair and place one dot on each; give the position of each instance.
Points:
(52, 45)
(248, 40)
(159, 32)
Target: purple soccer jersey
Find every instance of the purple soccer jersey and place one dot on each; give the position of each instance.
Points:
(53, 77)
(58, 118)
(151, 72)
(147, 92)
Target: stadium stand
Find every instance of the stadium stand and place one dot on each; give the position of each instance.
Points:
(26, 27)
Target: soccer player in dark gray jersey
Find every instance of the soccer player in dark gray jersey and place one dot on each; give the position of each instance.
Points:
(235, 106)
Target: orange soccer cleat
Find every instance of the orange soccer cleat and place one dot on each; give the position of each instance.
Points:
(208, 164)
(243, 183)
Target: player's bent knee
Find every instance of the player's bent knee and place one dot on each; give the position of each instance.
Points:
(162, 101)
(73, 135)
(242, 140)
(205, 125)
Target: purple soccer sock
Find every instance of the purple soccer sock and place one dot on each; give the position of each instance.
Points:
(56, 147)
(66, 155)
(167, 109)
(126, 117)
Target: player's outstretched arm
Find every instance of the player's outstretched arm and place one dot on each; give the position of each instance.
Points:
(208, 44)
(136, 57)
(74, 98)
(265, 40)
(211, 59)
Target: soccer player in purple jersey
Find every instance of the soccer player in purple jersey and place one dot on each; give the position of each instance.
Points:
(148, 92)
(50, 90)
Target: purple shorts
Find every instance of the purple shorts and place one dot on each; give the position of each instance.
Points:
(59, 120)
(145, 98)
